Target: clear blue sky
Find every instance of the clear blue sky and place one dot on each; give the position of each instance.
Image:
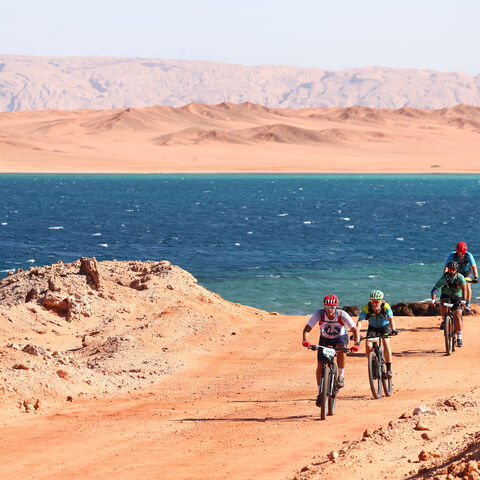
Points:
(335, 34)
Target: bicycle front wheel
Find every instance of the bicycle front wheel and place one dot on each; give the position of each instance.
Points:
(325, 385)
(374, 375)
(447, 333)
(386, 382)
(453, 338)
(332, 399)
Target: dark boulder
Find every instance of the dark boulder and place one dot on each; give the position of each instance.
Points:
(411, 309)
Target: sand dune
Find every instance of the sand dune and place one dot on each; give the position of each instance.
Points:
(242, 137)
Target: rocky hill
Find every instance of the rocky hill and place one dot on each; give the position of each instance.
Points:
(70, 83)
(87, 329)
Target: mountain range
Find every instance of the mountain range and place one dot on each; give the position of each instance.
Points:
(72, 83)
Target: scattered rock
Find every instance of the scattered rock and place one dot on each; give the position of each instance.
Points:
(31, 295)
(34, 350)
(421, 409)
(333, 456)
(20, 366)
(54, 284)
(139, 285)
(421, 426)
(62, 373)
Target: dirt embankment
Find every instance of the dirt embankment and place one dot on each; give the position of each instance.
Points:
(89, 329)
(134, 370)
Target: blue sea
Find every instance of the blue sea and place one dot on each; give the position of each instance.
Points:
(276, 242)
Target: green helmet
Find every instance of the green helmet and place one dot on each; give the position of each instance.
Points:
(376, 295)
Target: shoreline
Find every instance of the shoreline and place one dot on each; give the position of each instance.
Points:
(240, 173)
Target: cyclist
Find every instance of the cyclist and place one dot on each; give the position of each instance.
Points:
(380, 319)
(453, 289)
(466, 266)
(333, 323)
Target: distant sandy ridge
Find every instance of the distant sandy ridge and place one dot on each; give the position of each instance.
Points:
(242, 138)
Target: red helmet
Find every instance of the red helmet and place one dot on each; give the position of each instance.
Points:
(330, 300)
(461, 248)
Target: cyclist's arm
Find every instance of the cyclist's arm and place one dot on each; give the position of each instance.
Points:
(389, 315)
(356, 333)
(475, 272)
(305, 333)
(464, 290)
(440, 283)
(350, 325)
(310, 324)
(362, 317)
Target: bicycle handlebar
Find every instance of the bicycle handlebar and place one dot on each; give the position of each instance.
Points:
(377, 336)
(337, 350)
(450, 305)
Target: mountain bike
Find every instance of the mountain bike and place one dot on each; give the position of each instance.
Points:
(449, 331)
(328, 382)
(377, 370)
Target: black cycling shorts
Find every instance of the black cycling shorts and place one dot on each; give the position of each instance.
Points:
(455, 300)
(374, 331)
(338, 342)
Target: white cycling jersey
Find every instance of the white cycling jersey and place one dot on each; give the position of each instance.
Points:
(334, 327)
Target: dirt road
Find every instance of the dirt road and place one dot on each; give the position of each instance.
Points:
(246, 410)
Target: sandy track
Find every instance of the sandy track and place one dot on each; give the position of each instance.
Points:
(244, 411)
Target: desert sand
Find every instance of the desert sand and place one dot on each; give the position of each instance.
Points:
(242, 138)
(131, 370)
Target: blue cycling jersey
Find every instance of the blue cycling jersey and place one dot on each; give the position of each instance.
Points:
(465, 264)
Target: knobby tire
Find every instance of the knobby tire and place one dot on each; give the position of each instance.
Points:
(325, 384)
(448, 334)
(374, 371)
(387, 382)
(332, 400)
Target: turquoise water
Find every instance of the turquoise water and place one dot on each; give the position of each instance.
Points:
(277, 242)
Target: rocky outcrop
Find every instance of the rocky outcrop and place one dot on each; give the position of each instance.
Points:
(89, 267)
(412, 309)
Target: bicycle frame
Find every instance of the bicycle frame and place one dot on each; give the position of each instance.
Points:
(449, 330)
(329, 389)
(377, 368)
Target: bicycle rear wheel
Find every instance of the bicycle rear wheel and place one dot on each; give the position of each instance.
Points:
(325, 383)
(332, 399)
(374, 375)
(447, 333)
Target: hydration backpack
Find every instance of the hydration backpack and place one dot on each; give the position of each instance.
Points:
(372, 312)
(455, 283)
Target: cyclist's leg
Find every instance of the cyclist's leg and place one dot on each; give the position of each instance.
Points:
(445, 298)
(318, 374)
(324, 342)
(341, 343)
(371, 332)
(387, 350)
(457, 315)
(469, 286)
